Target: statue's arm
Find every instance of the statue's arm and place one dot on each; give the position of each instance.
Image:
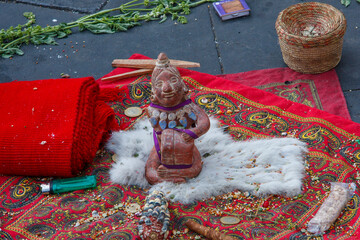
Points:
(202, 121)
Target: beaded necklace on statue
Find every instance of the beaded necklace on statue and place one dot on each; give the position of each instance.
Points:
(171, 117)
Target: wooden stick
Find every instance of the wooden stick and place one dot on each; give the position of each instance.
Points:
(150, 63)
(127, 75)
(206, 231)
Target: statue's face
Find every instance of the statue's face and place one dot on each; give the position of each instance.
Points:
(168, 89)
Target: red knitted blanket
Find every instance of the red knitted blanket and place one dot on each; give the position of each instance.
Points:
(50, 127)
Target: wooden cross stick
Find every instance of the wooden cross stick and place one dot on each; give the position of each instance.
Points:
(150, 63)
(144, 66)
(135, 73)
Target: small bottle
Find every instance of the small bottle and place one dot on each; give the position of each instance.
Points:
(69, 184)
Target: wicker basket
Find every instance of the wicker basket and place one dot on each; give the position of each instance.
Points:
(311, 36)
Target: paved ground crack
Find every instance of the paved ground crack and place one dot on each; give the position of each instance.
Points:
(216, 41)
(351, 90)
(88, 7)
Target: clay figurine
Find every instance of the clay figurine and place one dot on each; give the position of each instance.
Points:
(177, 121)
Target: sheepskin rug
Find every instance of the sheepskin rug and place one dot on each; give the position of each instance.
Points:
(260, 167)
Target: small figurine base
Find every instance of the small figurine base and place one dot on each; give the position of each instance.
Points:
(172, 175)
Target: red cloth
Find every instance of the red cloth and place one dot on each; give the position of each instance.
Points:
(333, 154)
(51, 127)
(322, 91)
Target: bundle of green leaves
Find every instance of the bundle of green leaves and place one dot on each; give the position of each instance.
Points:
(101, 22)
(347, 2)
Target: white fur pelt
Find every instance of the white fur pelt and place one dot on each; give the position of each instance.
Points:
(261, 167)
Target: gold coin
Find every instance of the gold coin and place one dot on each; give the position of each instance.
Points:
(133, 111)
(229, 220)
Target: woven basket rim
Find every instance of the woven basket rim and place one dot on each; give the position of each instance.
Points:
(280, 24)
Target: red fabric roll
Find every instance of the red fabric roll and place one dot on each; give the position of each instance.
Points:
(51, 127)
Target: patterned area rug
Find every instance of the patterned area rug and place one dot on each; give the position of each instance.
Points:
(334, 154)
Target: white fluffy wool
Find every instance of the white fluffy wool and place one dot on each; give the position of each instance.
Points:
(278, 167)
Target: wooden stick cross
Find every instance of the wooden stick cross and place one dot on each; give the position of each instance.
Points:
(143, 66)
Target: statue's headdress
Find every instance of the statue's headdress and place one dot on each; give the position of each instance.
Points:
(163, 64)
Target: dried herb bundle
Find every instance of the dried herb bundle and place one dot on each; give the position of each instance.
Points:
(130, 15)
(347, 2)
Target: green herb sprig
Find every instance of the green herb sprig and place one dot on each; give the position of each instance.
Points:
(347, 2)
(130, 14)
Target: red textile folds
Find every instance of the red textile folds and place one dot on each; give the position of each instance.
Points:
(51, 127)
(248, 113)
(322, 91)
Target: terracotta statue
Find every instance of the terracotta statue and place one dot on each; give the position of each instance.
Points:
(177, 121)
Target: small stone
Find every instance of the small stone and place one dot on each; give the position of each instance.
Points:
(266, 204)
(315, 178)
(95, 213)
(219, 112)
(249, 165)
(204, 100)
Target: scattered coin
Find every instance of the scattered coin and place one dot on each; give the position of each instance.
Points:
(133, 111)
(229, 220)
